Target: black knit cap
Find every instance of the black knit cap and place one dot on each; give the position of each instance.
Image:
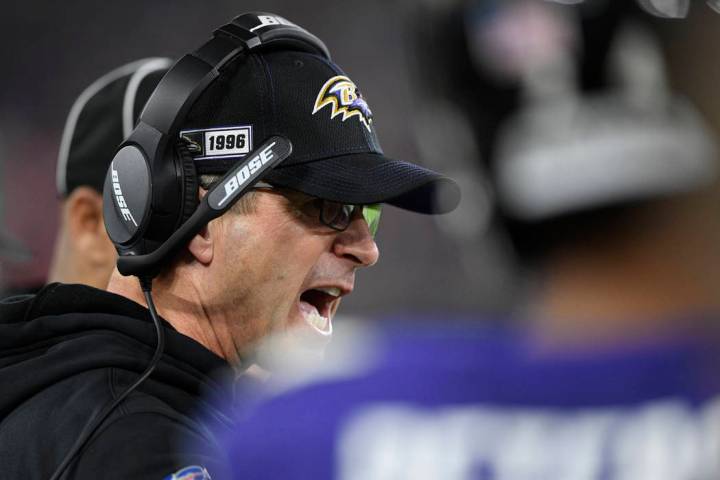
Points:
(103, 116)
(336, 154)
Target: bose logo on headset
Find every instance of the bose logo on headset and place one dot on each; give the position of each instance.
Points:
(246, 171)
(119, 199)
(269, 20)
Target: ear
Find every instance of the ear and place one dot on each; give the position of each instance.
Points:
(84, 220)
(84, 214)
(201, 247)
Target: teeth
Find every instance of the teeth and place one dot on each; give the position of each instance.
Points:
(334, 291)
(317, 321)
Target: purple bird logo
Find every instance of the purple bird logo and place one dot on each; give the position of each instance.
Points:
(344, 98)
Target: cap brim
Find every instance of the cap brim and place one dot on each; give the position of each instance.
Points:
(366, 178)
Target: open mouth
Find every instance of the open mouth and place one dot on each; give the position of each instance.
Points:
(316, 306)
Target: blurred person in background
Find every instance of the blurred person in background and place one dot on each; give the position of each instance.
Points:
(606, 182)
(100, 119)
(11, 251)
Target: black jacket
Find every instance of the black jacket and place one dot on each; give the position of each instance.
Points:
(66, 352)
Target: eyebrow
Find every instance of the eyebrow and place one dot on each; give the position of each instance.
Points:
(295, 201)
(289, 193)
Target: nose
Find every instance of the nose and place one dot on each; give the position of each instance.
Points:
(356, 243)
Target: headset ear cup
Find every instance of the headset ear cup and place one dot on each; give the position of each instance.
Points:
(190, 182)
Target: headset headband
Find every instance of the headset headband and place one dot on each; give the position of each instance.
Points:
(191, 75)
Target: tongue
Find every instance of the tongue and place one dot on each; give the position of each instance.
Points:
(308, 308)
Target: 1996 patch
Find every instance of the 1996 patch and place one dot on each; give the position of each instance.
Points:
(220, 142)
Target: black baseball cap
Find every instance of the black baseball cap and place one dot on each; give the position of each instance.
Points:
(103, 116)
(308, 99)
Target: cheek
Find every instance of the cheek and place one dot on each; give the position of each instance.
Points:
(305, 259)
(289, 267)
(291, 250)
(264, 261)
(270, 259)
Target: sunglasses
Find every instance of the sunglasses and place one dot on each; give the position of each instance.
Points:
(337, 215)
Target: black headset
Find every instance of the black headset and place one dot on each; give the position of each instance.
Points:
(150, 194)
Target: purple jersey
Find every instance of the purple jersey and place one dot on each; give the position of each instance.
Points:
(471, 403)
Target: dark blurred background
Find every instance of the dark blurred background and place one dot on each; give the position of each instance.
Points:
(53, 50)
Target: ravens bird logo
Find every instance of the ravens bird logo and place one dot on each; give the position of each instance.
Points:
(343, 97)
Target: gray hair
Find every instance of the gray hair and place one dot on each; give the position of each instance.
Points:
(245, 205)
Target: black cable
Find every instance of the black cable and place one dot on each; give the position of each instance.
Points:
(80, 443)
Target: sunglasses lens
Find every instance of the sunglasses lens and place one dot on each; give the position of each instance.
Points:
(371, 214)
(338, 215)
(335, 215)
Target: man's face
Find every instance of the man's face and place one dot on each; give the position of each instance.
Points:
(278, 269)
